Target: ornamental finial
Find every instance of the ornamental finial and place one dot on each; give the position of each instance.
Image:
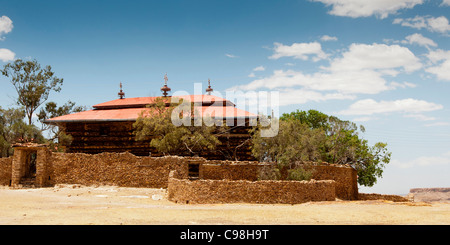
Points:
(165, 89)
(121, 93)
(209, 89)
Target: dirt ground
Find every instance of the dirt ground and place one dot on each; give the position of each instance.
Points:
(111, 205)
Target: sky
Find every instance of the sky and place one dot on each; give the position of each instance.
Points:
(381, 64)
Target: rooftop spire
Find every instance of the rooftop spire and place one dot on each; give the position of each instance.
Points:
(165, 89)
(209, 89)
(121, 93)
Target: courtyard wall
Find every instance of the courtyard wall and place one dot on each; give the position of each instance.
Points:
(5, 170)
(216, 181)
(245, 191)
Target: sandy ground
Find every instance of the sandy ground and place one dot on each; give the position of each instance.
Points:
(105, 205)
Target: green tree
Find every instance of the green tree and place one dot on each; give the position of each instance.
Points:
(170, 139)
(14, 130)
(315, 136)
(56, 135)
(32, 83)
(295, 142)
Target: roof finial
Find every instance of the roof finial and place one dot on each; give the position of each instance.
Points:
(209, 89)
(165, 89)
(121, 93)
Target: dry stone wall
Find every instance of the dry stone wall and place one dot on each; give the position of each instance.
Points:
(5, 170)
(344, 175)
(231, 170)
(244, 191)
(218, 182)
(121, 169)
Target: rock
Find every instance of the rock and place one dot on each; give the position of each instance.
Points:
(156, 197)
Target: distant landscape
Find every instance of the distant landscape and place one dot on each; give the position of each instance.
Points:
(430, 194)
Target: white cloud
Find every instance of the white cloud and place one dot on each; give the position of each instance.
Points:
(302, 96)
(395, 85)
(366, 82)
(420, 117)
(381, 57)
(259, 68)
(6, 25)
(446, 3)
(326, 38)
(230, 56)
(437, 124)
(417, 22)
(366, 8)
(443, 159)
(362, 119)
(370, 107)
(359, 70)
(438, 55)
(420, 40)
(438, 24)
(441, 60)
(299, 51)
(441, 71)
(6, 55)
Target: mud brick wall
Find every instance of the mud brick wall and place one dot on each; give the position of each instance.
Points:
(121, 169)
(5, 170)
(244, 191)
(217, 170)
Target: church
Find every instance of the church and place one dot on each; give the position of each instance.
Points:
(108, 127)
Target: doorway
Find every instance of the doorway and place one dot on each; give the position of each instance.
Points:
(29, 176)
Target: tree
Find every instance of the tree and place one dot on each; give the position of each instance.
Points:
(315, 136)
(14, 130)
(32, 83)
(56, 135)
(156, 124)
(295, 142)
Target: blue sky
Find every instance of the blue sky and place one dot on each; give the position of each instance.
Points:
(382, 64)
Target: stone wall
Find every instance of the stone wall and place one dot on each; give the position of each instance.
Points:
(218, 181)
(231, 170)
(375, 196)
(121, 169)
(244, 191)
(5, 170)
(344, 175)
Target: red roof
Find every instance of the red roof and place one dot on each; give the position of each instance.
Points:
(129, 109)
(143, 101)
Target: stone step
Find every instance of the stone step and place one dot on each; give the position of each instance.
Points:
(28, 182)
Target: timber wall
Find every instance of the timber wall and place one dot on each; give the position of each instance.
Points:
(94, 138)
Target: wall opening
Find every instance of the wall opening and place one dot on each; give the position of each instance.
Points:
(194, 171)
(29, 171)
(30, 164)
